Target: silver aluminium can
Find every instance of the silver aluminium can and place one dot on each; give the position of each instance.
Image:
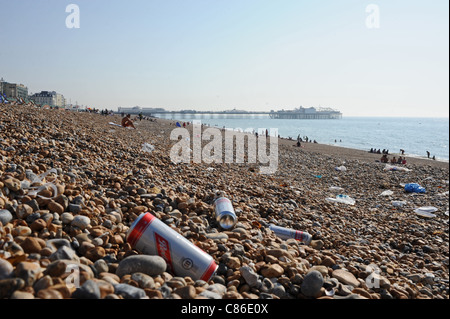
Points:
(224, 213)
(285, 233)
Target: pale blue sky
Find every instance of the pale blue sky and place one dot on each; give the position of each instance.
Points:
(220, 54)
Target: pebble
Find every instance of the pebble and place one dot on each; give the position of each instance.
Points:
(250, 277)
(186, 292)
(67, 218)
(144, 281)
(89, 290)
(81, 222)
(8, 286)
(28, 271)
(32, 245)
(345, 277)
(6, 269)
(272, 271)
(312, 284)
(150, 265)
(5, 216)
(129, 292)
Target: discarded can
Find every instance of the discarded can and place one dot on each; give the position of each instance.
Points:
(285, 233)
(225, 215)
(151, 236)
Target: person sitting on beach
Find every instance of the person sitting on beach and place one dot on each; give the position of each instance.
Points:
(127, 122)
(384, 159)
(404, 161)
(400, 160)
(394, 160)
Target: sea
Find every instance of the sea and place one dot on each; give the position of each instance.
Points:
(415, 136)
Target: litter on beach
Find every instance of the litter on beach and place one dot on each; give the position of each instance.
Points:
(387, 193)
(398, 203)
(341, 168)
(426, 212)
(336, 189)
(414, 188)
(146, 147)
(396, 168)
(344, 199)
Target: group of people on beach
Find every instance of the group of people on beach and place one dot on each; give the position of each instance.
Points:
(384, 159)
(401, 160)
(305, 139)
(128, 122)
(379, 151)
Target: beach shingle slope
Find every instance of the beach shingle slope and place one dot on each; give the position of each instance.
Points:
(72, 184)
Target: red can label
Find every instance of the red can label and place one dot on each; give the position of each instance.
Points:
(140, 228)
(163, 247)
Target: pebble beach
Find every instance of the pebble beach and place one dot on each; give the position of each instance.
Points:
(72, 184)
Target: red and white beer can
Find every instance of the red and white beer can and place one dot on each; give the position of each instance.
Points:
(151, 236)
(285, 233)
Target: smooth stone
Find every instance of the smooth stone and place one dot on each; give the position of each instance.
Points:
(22, 295)
(101, 266)
(129, 292)
(56, 243)
(64, 252)
(312, 283)
(32, 245)
(186, 292)
(250, 277)
(81, 222)
(345, 277)
(67, 218)
(279, 290)
(6, 269)
(210, 294)
(219, 237)
(89, 290)
(28, 271)
(5, 216)
(143, 280)
(59, 267)
(272, 271)
(13, 184)
(55, 207)
(8, 286)
(149, 265)
(218, 288)
(74, 208)
(23, 211)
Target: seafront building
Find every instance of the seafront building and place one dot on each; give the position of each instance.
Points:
(49, 98)
(310, 113)
(13, 90)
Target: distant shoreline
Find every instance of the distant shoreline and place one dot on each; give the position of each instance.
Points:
(345, 153)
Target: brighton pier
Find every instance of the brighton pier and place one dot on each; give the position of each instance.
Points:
(296, 114)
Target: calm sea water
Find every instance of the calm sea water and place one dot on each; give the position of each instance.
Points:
(415, 135)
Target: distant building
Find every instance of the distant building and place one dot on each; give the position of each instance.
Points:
(49, 98)
(138, 109)
(13, 90)
(310, 113)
